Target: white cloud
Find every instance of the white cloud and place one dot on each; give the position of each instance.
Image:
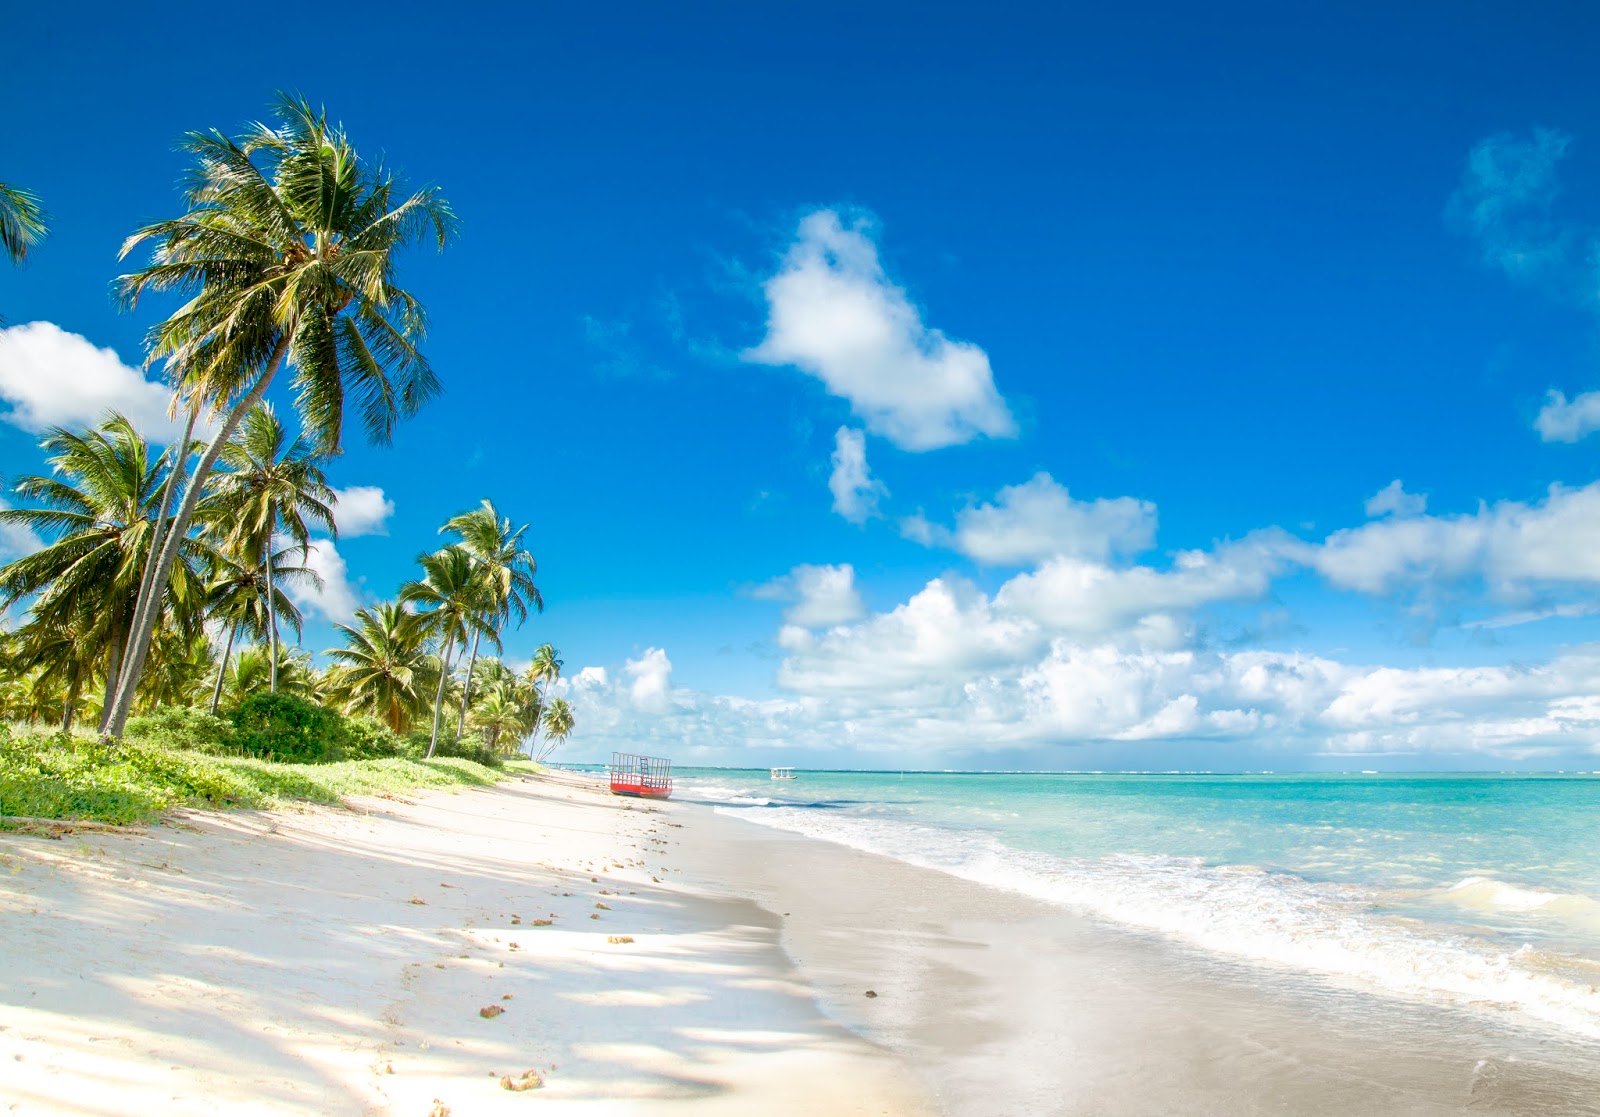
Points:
(339, 598)
(1039, 519)
(1508, 545)
(833, 312)
(652, 680)
(52, 378)
(855, 491)
(1561, 420)
(362, 510)
(819, 596)
(1095, 601)
(1393, 500)
(1069, 695)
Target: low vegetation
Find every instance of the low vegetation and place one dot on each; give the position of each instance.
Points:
(78, 778)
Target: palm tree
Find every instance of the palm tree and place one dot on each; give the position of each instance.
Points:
(452, 598)
(248, 597)
(507, 570)
(62, 664)
(557, 727)
(383, 668)
(542, 674)
(21, 222)
(268, 483)
(498, 712)
(287, 253)
(98, 507)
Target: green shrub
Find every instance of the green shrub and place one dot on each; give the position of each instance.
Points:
(289, 729)
(183, 728)
(471, 747)
(369, 739)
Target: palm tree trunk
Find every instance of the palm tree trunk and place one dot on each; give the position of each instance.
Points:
(216, 692)
(438, 698)
(466, 691)
(272, 616)
(180, 460)
(113, 665)
(150, 610)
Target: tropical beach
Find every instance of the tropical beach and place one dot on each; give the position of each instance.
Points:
(459, 949)
(852, 559)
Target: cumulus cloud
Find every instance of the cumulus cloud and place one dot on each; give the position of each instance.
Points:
(52, 378)
(652, 680)
(855, 491)
(1393, 500)
(1069, 694)
(337, 598)
(1508, 545)
(819, 596)
(362, 510)
(834, 313)
(1563, 420)
(1039, 519)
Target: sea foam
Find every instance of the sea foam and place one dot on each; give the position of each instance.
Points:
(1262, 917)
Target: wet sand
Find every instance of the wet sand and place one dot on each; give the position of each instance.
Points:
(1006, 1006)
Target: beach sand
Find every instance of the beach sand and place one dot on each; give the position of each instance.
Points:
(333, 962)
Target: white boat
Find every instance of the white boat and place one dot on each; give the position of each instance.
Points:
(784, 774)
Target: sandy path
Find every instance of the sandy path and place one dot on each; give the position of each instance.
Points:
(335, 962)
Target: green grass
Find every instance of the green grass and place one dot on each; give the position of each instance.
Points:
(78, 779)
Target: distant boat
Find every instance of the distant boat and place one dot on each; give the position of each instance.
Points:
(645, 777)
(784, 774)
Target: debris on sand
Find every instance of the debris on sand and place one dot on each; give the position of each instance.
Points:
(529, 1080)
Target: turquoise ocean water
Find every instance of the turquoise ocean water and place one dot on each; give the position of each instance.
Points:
(1481, 891)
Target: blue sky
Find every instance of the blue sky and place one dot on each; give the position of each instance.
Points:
(1222, 276)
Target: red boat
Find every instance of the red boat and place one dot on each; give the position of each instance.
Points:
(646, 777)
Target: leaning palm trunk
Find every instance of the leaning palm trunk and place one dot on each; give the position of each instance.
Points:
(222, 672)
(272, 620)
(466, 691)
(142, 604)
(438, 698)
(149, 610)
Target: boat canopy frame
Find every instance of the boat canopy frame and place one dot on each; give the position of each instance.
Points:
(648, 777)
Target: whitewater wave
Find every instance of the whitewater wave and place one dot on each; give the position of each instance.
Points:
(1250, 913)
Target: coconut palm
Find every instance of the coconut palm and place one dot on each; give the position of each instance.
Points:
(558, 725)
(253, 671)
(542, 675)
(383, 669)
(287, 255)
(452, 600)
(97, 515)
(507, 570)
(498, 713)
(179, 670)
(61, 665)
(21, 222)
(269, 483)
(246, 597)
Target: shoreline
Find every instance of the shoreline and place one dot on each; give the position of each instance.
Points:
(335, 961)
(1004, 1004)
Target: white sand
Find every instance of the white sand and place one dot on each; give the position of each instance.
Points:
(332, 962)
